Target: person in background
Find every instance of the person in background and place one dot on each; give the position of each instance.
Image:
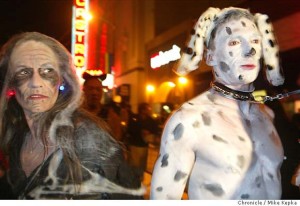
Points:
(56, 149)
(110, 113)
(222, 144)
(142, 130)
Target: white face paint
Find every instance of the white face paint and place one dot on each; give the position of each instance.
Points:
(36, 80)
(237, 53)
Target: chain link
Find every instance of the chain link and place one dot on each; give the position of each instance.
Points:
(278, 96)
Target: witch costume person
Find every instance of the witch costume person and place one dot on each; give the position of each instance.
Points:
(55, 149)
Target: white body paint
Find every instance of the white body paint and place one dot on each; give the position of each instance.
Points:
(227, 149)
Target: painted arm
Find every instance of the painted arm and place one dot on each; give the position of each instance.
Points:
(175, 161)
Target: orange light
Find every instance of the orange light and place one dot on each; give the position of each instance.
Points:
(150, 88)
(182, 80)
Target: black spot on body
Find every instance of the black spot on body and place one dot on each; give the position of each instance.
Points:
(240, 77)
(188, 50)
(271, 176)
(179, 175)
(159, 189)
(178, 131)
(211, 98)
(228, 31)
(193, 31)
(258, 181)
(206, 119)
(164, 160)
(224, 67)
(269, 67)
(241, 138)
(243, 24)
(245, 196)
(230, 53)
(190, 103)
(196, 124)
(248, 123)
(215, 189)
(271, 43)
(219, 139)
(240, 161)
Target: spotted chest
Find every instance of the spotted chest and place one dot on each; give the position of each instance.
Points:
(214, 146)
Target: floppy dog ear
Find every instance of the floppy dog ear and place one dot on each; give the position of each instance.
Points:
(193, 54)
(270, 50)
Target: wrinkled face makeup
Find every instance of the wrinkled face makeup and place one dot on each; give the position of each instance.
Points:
(36, 78)
(237, 53)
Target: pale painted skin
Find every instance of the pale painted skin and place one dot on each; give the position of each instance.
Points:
(36, 80)
(223, 148)
(237, 53)
(36, 77)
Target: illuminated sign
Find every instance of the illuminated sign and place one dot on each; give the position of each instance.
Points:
(163, 58)
(79, 35)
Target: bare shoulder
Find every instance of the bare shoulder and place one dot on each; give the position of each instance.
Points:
(188, 117)
(194, 107)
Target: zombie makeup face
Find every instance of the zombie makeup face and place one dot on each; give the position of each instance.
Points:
(36, 76)
(237, 53)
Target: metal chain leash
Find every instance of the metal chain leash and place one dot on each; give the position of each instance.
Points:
(280, 96)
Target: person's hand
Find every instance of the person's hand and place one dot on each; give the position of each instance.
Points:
(296, 177)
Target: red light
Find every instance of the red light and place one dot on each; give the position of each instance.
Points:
(11, 93)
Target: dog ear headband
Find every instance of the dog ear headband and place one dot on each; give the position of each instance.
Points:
(201, 34)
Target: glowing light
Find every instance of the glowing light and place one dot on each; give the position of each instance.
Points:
(88, 16)
(117, 99)
(79, 35)
(10, 93)
(163, 58)
(154, 116)
(182, 80)
(150, 88)
(62, 87)
(94, 72)
(167, 108)
(108, 81)
(171, 84)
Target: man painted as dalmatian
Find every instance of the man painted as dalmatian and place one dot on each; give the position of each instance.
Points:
(222, 144)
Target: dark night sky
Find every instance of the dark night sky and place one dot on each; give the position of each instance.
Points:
(51, 17)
